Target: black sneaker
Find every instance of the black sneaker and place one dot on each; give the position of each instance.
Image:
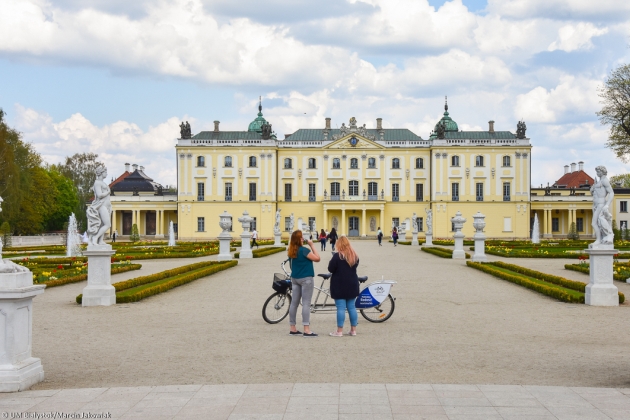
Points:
(295, 332)
(312, 334)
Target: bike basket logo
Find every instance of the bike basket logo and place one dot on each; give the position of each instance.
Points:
(380, 290)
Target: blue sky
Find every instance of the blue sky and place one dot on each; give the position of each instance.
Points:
(115, 77)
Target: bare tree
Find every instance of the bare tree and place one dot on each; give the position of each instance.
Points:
(615, 95)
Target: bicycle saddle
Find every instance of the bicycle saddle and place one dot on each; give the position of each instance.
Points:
(363, 279)
(325, 276)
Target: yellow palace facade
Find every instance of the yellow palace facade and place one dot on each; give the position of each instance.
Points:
(353, 178)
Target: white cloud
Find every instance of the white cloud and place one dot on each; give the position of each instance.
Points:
(609, 9)
(574, 37)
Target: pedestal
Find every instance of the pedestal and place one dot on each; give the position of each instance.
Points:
(414, 238)
(480, 249)
(428, 239)
(246, 246)
(458, 252)
(99, 290)
(18, 369)
(224, 247)
(277, 239)
(402, 236)
(601, 291)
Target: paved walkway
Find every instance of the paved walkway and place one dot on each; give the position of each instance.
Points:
(327, 401)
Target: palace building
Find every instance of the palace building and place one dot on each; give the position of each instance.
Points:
(353, 178)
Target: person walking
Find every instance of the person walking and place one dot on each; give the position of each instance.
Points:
(395, 236)
(302, 273)
(344, 285)
(332, 236)
(322, 239)
(379, 236)
(254, 237)
(114, 236)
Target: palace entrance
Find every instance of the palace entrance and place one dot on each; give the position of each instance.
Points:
(353, 226)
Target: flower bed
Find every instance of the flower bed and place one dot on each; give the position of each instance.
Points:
(259, 253)
(441, 252)
(621, 271)
(143, 287)
(553, 286)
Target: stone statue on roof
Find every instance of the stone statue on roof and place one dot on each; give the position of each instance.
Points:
(266, 130)
(441, 129)
(184, 130)
(353, 122)
(520, 129)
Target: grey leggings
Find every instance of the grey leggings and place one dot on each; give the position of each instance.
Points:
(302, 289)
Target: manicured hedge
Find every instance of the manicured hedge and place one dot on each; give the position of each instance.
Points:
(451, 242)
(259, 253)
(585, 268)
(441, 252)
(74, 279)
(553, 286)
(142, 287)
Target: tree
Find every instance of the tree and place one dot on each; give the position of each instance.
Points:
(135, 235)
(66, 201)
(5, 233)
(573, 233)
(81, 169)
(623, 179)
(615, 95)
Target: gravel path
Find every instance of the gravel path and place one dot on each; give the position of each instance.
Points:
(452, 324)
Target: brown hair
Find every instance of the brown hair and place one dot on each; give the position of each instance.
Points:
(294, 244)
(346, 251)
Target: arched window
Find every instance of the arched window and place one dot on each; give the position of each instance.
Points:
(395, 163)
(334, 190)
(353, 188)
(336, 163)
(419, 163)
(479, 161)
(454, 160)
(312, 163)
(506, 161)
(372, 163)
(228, 161)
(252, 161)
(372, 191)
(201, 161)
(288, 163)
(354, 163)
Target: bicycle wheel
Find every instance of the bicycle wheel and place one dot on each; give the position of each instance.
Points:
(380, 313)
(276, 307)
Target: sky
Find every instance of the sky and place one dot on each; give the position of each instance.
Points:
(116, 77)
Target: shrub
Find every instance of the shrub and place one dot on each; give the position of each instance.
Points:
(585, 268)
(259, 253)
(135, 235)
(441, 252)
(5, 234)
(573, 233)
(81, 277)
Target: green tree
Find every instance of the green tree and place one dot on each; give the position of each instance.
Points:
(623, 180)
(573, 233)
(135, 235)
(5, 233)
(615, 112)
(66, 201)
(80, 168)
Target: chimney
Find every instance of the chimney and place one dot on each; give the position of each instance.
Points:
(379, 123)
(127, 167)
(216, 126)
(327, 123)
(491, 128)
(142, 169)
(135, 167)
(580, 166)
(566, 169)
(573, 167)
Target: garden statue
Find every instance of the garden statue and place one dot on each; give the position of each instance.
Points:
(276, 226)
(414, 221)
(429, 222)
(291, 223)
(520, 130)
(98, 214)
(603, 195)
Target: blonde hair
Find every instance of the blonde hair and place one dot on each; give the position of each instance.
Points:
(295, 244)
(346, 251)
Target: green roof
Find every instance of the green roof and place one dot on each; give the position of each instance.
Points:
(389, 134)
(227, 135)
(256, 125)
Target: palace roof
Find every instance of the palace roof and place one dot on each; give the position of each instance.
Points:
(574, 180)
(137, 181)
(310, 134)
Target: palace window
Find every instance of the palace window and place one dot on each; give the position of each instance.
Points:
(372, 163)
(252, 161)
(506, 161)
(579, 222)
(252, 191)
(419, 192)
(395, 222)
(201, 224)
(228, 161)
(419, 163)
(201, 191)
(311, 223)
(201, 161)
(288, 192)
(454, 160)
(312, 163)
(334, 190)
(311, 192)
(455, 191)
(353, 188)
(395, 192)
(479, 191)
(623, 206)
(287, 224)
(372, 191)
(506, 190)
(478, 160)
(395, 163)
(252, 225)
(288, 164)
(228, 191)
(336, 163)
(420, 222)
(354, 163)
(555, 224)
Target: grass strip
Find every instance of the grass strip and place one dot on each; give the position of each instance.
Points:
(82, 277)
(259, 253)
(549, 278)
(441, 252)
(586, 269)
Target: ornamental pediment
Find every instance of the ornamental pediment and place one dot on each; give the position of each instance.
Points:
(353, 137)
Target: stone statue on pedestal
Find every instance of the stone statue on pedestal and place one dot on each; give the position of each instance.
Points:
(98, 214)
(276, 226)
(291, 223)
(603, 195)
(429, 222)
(414, 222)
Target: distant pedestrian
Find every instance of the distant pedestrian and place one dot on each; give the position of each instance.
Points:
(322, 239)
(379, 235)
(395, 236)
(332, 237)
(254, 237)
(114, 236)
(344, 285)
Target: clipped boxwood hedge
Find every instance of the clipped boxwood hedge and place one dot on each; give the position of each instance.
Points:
(585, 268)
(74, 279)
(143, 287)
(553, 286)
(259, 253)
(441, 252)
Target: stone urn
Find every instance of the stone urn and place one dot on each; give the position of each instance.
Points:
(458, 223)
(225, 221)
(479, 222)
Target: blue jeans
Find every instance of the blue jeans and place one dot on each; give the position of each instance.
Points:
(342, 305)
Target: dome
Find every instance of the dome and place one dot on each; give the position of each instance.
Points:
(256, 125)
(448, 122)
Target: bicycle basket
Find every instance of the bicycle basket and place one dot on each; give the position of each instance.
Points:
(281, 283)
